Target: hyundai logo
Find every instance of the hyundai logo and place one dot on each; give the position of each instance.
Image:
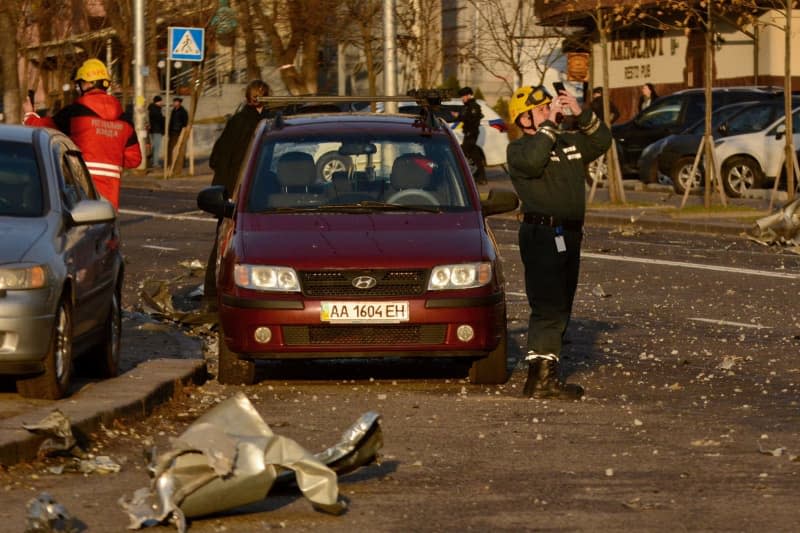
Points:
(364, 282)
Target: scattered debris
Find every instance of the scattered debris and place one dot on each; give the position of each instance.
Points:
(778, 452)
(782, 227)
(61, 440)
(229, 457)
(599, 292)
(729, 361)
(45, 515)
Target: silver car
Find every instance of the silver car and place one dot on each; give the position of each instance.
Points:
(60, 264)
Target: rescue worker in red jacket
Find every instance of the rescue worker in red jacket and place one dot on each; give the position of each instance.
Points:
(94, 123)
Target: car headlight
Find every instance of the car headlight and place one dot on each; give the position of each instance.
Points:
(463, 276)
(266, 278)
(23, 277)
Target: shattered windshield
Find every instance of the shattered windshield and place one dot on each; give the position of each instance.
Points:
(357, 173)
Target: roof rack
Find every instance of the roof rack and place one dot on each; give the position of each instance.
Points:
(427, 100)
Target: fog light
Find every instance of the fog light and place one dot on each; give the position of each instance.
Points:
(465, 333)
(263, 334)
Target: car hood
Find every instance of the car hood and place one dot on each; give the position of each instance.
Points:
(17, 236)
(362, 240)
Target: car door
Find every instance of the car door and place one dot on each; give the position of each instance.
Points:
(775, 145)
(88, 249)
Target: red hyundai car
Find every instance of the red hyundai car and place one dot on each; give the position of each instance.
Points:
(390, 256)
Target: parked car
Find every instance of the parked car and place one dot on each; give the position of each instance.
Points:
(672, 114)
(755, 160)
(389, 259)
(671, 158)
(60, 265)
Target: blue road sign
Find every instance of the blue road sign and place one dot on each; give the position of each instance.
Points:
(186, 44)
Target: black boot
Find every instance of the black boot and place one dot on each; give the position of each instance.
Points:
(544, 383)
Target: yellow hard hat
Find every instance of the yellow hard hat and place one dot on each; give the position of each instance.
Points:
(526, 98)
(92, 70)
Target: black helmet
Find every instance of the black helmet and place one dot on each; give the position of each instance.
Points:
(464, 91)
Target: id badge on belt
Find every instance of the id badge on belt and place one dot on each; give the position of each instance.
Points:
(561, 245)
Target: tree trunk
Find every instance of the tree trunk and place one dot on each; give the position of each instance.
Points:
(8, 63)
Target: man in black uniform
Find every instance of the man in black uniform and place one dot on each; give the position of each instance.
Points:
(226, 160)
(547, 169)
(470, 116)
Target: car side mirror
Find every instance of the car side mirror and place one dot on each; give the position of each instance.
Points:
(499, 201)
(722, 129)
(214, 200)
(88, 212)
(780, 131)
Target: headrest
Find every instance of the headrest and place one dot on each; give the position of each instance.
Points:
(296, 169)
(411, 171)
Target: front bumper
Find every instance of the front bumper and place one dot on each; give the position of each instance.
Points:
(26, 325)
(298, 332)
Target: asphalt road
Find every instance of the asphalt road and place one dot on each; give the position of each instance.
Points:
(687, 345)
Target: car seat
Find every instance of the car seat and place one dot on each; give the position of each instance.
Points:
(411, 175)
(296, 174)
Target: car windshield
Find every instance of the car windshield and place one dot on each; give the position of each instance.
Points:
(717, 117)
(664, 113)
(357, 172)
(20, 184)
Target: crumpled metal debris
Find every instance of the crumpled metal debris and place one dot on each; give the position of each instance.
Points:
(45, 515)
(157, 302)
(782, 227)
(229, 457)
(58, 428)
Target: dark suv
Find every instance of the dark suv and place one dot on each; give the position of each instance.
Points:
(674, 113)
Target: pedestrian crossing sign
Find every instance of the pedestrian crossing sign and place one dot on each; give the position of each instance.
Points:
(186, 44)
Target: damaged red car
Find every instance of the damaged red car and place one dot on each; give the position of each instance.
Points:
(388, 255)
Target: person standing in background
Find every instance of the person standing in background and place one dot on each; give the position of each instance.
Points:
(155, 116)
(226, 160)
(647, 96)
(178, 119)
(597, 106)
(470, 118)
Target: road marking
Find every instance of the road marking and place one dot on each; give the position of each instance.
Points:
(680, 264)
(151, 214)
(162, 248)
(697, 266)
(727, 323)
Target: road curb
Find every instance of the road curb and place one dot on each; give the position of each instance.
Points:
(132, 395)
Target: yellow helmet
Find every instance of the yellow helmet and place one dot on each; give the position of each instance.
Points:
(526, 98)
(93, 70)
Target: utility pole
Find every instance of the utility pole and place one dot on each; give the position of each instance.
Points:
(389, 55)
(139, 109)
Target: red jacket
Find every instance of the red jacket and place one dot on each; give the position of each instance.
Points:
(108, 142)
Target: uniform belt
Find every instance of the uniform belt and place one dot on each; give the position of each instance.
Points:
(553, 222)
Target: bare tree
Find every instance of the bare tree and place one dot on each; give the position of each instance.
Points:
(511, 39)
(366, 15)
(9, 20)
(419, 40)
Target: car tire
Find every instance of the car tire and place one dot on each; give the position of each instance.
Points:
(740, 174)
(232, 370)
(681, 175)
(104, 360)
(53, 383)
(329, 163)
(492, 370)
(597, 170)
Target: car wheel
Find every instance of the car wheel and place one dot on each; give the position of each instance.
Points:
(492, 370)
(53, 383)
(104, 361)
(231, 370)
(739, 175)
(681, 175)
(597, 171)
(330, 163)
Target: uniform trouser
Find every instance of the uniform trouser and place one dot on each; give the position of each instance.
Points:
(471, 150)
(551, 278)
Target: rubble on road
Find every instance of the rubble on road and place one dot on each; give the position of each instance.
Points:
(782, 227)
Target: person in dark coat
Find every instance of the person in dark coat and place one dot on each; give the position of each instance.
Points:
(597, 106)
(470, 116)
(226, 160)
(155, 118)
(178, 119)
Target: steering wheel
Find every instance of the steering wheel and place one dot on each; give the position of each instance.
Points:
(403, 197)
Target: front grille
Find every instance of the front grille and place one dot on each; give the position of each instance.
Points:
(358, 335)
(339, 283)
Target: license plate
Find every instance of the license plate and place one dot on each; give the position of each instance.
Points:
(364, 312)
